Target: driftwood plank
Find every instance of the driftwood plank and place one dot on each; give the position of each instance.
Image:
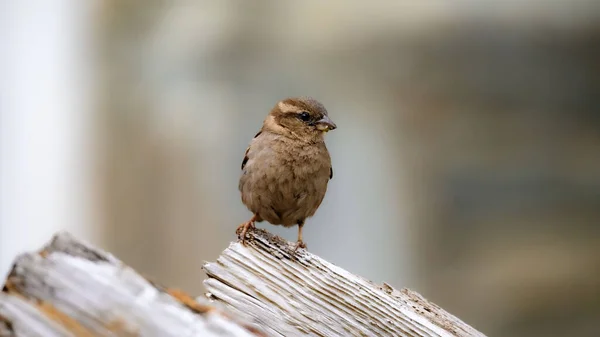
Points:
(72, 289)
(291, 294)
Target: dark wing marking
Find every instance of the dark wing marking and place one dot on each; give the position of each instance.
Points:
(248, 149)
(330, 173)
(245, 158)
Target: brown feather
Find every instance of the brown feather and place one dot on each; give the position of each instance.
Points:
(245, 160)
(287, 167)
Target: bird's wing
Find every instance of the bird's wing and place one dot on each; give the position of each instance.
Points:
(248, 149)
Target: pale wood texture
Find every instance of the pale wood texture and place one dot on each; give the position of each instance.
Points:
(291, 294)
(72, 289)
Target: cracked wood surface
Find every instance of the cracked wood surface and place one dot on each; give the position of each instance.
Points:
(301, 294)
(72, 289)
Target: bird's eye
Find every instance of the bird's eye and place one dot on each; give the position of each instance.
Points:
(305, 116)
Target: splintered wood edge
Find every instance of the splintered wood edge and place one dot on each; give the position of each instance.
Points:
(229, 282)
(31, 304)
(64, 242)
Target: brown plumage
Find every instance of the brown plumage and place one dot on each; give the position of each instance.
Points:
(286, 168)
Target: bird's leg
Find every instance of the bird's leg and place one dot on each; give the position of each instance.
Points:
(300, 243)
(243, 228)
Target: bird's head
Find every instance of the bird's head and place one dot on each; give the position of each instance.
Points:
(299, 117)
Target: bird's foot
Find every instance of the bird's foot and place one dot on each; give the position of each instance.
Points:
(299, 244)
(243, 229)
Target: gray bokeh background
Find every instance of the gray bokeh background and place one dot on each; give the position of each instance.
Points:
(466, 159)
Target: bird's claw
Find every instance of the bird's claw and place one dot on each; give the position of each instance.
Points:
(299, 244)
(243, 229)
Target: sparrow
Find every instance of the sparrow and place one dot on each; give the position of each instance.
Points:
(286, 167)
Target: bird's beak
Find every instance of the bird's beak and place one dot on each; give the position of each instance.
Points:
(325, 124)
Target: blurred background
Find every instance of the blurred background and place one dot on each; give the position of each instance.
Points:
(466, 159)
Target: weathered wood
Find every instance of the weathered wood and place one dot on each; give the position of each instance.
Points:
(297, 294)
(72, 289)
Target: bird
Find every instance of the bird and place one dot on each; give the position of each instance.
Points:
(287, 167)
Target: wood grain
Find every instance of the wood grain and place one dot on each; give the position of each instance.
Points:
(302, 294)
(72, 289)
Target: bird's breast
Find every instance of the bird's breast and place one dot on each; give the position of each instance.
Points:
(285, 182)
